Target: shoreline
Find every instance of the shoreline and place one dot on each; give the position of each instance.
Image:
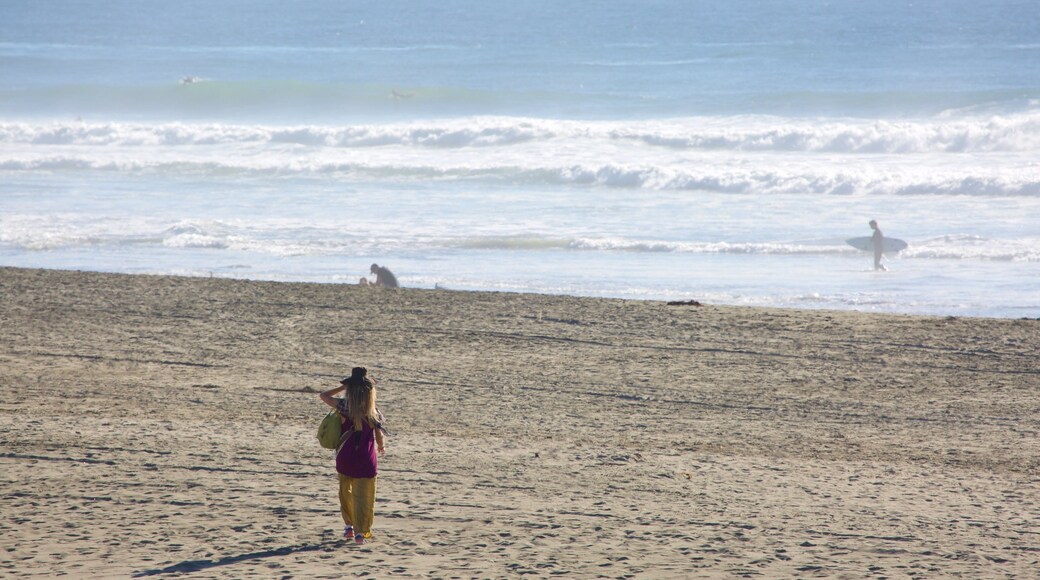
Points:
(438, 288)
(156, 425)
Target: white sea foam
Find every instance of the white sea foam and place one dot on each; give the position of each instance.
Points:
(758, 176)
(1012, 133)
(993, 156)
(969, 247)
(276, 237)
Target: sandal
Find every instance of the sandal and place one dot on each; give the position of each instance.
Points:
(348, 532)
(359, 539)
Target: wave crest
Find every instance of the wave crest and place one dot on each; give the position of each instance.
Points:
(865, 179)
(1013, 133)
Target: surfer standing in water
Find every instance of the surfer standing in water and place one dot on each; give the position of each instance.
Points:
(877, 240)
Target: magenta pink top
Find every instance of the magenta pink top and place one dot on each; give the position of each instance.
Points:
(356, 455)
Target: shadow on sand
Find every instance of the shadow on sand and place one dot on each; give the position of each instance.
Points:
(188, 566)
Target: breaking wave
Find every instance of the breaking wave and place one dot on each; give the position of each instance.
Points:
(1018, 132)
(766, 179)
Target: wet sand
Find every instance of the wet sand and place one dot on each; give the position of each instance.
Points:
(164, 426)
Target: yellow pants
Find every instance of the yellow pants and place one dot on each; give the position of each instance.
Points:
(357, 503)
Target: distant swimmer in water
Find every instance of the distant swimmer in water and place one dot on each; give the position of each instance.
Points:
(878, 241)
(384, 277)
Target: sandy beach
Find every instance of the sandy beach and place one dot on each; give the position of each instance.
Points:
(161, 426)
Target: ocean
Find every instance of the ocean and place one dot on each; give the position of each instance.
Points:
(654, 149)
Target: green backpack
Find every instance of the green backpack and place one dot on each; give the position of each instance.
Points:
(330, 430)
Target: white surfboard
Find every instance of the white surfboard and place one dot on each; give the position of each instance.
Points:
(866, 243)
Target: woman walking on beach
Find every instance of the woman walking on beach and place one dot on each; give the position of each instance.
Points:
(356, 461)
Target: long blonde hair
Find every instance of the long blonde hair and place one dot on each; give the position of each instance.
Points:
(361, 399)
